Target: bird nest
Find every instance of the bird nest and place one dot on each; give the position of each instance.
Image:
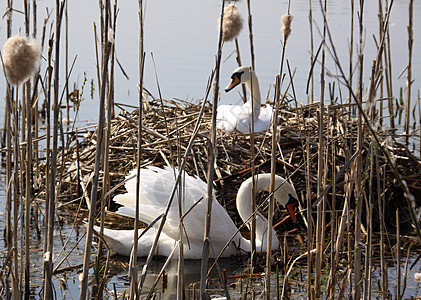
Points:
(167, 127)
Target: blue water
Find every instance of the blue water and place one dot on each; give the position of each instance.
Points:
(182, 35)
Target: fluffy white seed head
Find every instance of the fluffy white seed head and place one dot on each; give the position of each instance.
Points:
(232, 23)
(21, 59)
(286, 21)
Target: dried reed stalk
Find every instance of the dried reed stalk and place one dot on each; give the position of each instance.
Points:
(351, 54)
(388, 65)
(333, 219)
(211, 164)
(9, 237)
(409, 74)
(369, 225)
(66, 61)
(310, 221)
(9, 228)
(28, 163)
(272, 185)
(250, 23)
(286, 30)
(47, 94)
(17, 162)
(359, 183)
(398, 258)
(419, 120)
(110, 112)
(310, 97)
(253, 255)
(320, 165)
(48, 287)
(134, 289)
(98, 156)
(382, 81)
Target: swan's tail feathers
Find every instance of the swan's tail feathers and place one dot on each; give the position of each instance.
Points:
(125, 199)
(118, 241)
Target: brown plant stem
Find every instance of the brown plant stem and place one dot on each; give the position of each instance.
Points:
(48, 288)
(409, 70)
(98, 156)
(211, 164)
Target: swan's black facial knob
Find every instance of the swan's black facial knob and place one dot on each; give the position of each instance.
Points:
(235, 80)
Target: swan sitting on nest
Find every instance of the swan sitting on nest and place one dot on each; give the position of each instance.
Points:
(240, 117)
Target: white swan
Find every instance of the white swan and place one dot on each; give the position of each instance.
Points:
(239, 117)
(155, 188)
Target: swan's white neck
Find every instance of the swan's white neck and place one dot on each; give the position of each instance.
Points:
(253, 87)
(244, 206)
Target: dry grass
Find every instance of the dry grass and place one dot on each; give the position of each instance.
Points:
(296, 125)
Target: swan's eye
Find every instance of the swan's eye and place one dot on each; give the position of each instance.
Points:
(237, 75)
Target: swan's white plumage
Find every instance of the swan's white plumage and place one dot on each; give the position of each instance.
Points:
(155, 188)
(240, 117)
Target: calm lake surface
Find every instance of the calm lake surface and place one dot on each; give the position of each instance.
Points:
(182, 35)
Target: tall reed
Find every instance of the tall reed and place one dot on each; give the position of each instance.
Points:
(98, 155)
(321, 166)
(409, 70)
(250, 24)
(134, 290)
(8, 142)
(48, 253)
(286, 31)
(211, 163)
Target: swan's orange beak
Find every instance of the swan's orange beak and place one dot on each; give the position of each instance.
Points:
(291, 210)
(234, 82)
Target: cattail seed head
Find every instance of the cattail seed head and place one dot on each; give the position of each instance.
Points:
(286, 25)
(232, 23)
(21, 59)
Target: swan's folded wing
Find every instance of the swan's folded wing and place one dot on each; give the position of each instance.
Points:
(156, 185)
(228, 117)
(265, 119)
(119, 241)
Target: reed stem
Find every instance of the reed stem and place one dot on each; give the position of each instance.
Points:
(48, 286)
(409, 74)
(250, 23)
(135, 289)
(211, 164)
(98, 156)
(398, 257)
(321, 164)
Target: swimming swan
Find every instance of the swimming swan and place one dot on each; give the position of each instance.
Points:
(155, 189)
(239, 117)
